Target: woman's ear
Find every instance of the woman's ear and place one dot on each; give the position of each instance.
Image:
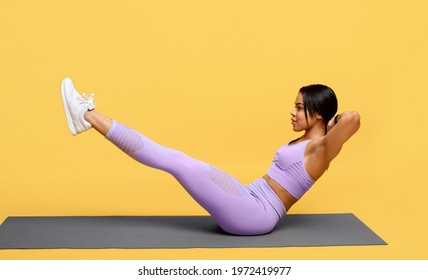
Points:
(318, 116)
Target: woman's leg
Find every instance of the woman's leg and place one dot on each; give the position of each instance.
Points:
(237, 209)
(98, 121)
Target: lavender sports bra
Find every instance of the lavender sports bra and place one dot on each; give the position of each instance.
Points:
(288, 170)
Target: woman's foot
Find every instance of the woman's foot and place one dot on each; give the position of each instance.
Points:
(75, 107)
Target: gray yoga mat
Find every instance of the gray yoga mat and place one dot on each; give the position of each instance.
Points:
(87, 232)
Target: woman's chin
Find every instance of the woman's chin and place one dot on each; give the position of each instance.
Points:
(296, 129)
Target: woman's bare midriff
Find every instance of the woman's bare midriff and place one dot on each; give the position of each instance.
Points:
(287, 199)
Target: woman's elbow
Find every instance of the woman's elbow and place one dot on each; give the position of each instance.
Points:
(354, 116)
(353, 119)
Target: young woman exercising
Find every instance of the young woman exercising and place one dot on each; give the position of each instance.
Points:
(242, 210)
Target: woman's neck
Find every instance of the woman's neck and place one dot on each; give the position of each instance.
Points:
(314, 132)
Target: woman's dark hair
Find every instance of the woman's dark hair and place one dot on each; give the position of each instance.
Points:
(319, 99)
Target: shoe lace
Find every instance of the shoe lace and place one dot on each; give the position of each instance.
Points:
(88, 100)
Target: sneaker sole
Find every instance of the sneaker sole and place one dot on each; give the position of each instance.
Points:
(67, 111)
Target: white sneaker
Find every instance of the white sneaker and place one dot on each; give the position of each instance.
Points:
(75, 107)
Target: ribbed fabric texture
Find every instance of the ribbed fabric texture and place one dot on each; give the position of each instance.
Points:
(225, 182)
(298, 171)
(289, 171)
(127, 139)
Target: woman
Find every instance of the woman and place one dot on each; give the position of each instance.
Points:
(242, 210)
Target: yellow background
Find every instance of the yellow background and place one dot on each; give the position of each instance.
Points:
(217, 80)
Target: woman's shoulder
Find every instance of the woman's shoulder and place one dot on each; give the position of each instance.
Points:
(314, 146)
(330, 145)
(314, 160)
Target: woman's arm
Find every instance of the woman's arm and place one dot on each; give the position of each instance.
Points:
(338, 133)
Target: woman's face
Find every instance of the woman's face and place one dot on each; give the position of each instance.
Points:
(298, 118)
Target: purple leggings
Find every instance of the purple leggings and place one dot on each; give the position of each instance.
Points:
(242, 210)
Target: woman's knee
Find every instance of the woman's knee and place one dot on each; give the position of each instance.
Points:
(181, 162)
